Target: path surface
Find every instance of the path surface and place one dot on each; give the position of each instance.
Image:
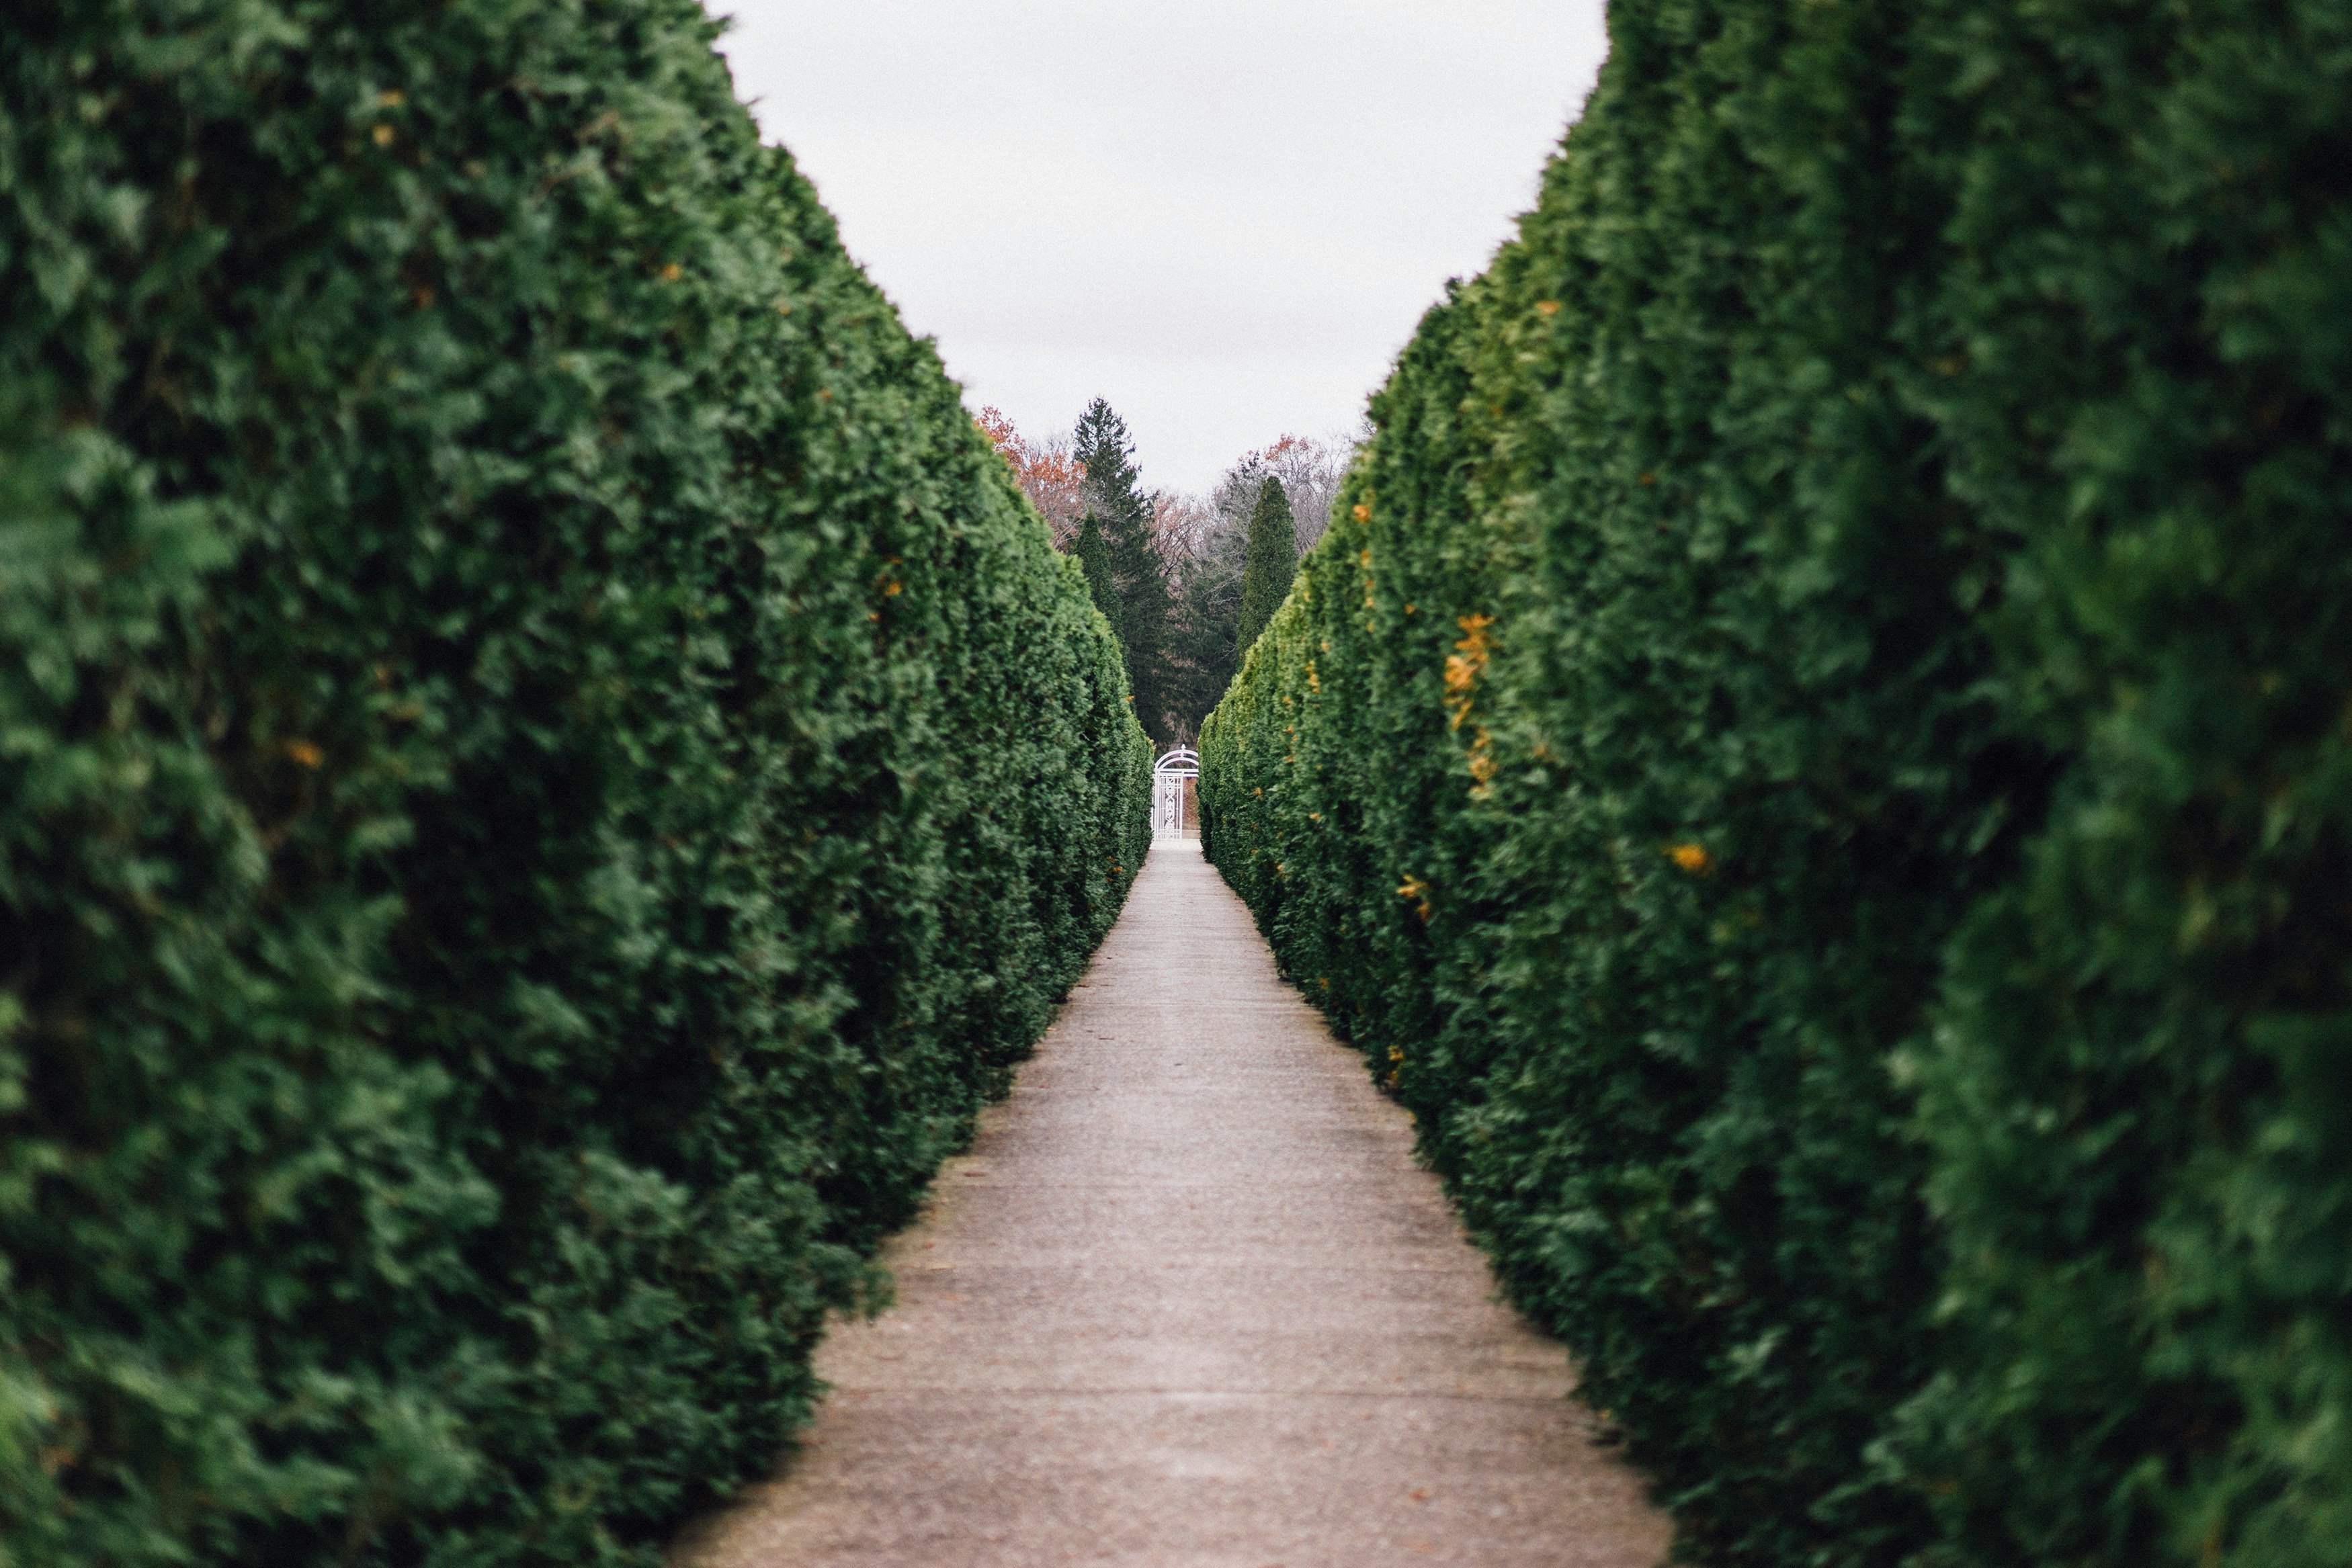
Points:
(1189, 1301)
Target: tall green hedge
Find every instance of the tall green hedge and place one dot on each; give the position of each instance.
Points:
(545, 771)
(1815, 758)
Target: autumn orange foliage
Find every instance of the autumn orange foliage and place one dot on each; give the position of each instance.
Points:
(1054, 481)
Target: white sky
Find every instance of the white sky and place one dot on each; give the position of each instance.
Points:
(1224, 215)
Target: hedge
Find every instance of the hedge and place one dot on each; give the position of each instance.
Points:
(1814, 759)
(545, 771)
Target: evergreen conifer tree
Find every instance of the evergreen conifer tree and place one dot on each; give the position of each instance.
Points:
(1272, 561)
(1203, 651)
(1206, 613)
(1094, 560)
(1115, 493)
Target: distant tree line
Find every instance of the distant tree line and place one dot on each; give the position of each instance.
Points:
(1185, 581)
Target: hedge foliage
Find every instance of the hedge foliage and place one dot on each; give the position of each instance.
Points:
(1815, 758)
(545, 771)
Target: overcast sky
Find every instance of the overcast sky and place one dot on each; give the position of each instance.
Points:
(1224, 215)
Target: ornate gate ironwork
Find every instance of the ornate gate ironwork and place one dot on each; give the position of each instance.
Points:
(1172, 786)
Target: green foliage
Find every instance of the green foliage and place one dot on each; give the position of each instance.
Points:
(545, 771)
(1114, 492)
(1094, 562)
(1271, 562)
(1203, 656)
(1207, 572)
(1813, 758)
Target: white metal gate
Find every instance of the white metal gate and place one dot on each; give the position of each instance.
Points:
(1171, 781)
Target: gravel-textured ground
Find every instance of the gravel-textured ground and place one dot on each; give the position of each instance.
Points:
(1189, 1301)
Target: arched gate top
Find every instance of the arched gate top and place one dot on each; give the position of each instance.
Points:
(1172, 779)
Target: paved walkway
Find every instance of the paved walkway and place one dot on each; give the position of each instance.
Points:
(1188, 1303)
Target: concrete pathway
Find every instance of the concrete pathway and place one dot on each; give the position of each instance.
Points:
(1190, 1303)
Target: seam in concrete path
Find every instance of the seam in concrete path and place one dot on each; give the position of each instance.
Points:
(1190, 1303)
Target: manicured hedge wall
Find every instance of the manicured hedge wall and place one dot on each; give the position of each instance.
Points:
(1814, 758)
(545, 771)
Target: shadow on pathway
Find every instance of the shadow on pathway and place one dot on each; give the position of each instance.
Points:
(1189, 1301)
